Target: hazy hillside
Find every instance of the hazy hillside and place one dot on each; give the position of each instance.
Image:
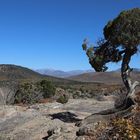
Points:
(13, 72)
(103, 77)
(60, 73)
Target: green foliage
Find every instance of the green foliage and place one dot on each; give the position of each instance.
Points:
(47, 88)
(27, 93)
(125, 29)
(63, 99)
(122, 36)
(84, 45)
(90, 52)
(30, 93)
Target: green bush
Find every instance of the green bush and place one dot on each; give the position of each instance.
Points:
(30, 93)
(63, 99)
(47, 88)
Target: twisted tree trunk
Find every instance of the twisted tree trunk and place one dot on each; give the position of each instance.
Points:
(126, 109)
(125, 74)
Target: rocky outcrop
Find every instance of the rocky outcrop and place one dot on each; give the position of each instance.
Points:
(49, 121)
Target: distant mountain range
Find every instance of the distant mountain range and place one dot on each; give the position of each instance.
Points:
(62, 74)
(85, 75)
(14, 73)
(9, 72)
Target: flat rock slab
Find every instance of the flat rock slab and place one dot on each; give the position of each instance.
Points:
(88, 106)
(34, 122)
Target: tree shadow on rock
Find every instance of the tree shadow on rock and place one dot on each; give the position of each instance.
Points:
(66, 117)
(50, 133)
(45, 138)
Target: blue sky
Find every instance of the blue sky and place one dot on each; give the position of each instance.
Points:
(49, 33)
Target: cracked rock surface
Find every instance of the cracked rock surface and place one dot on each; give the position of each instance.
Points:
(48, 121)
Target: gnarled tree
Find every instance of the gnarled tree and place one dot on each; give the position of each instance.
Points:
(120, 43)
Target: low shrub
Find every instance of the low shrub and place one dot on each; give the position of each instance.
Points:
(117, 129)
(125, 129)
(47, 88)
(30, 93)
(63, 99)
